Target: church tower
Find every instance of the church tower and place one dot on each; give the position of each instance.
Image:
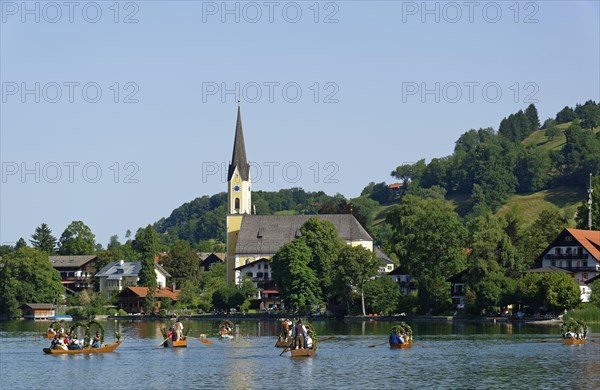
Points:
(238, 195)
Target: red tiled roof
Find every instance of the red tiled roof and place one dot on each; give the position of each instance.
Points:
(158, 293)
(270, 291)
(395, 185)
(589, 239)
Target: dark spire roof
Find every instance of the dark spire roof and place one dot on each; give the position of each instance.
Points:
(238, 158)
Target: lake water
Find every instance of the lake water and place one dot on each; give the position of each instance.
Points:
(448, 355)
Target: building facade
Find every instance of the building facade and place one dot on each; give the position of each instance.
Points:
(118, 275)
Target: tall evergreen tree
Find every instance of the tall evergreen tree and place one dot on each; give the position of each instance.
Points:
(532, 114)
(43, 239)
(20, 244)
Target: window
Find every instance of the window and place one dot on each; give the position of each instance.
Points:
(249, 274)
(553, 263)
(237, 204)
(266, 266)
(557, 251)
(260, 275)
(259, 266)
(584, 276)
(569, 251)
(568, 238)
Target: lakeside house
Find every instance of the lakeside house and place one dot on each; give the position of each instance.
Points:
(76, 272)
(577, 252)
(132, 299)
(38, 311)
(118, 275)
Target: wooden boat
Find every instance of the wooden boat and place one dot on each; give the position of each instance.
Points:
(178, 344)
(108, 348)
(571, 341)
(308, 352)
(402, 346)
(283, 343)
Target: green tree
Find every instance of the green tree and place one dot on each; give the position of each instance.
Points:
(552, 132)
(27, 277)
(182, 263)
(210, 281)
(533, 170)
(555, 291)
(589, 113)
(77, 239)
(429, 239)
(382, 295)
(321, 237)
(146, 243)
(20, 244)
(357, 265)
(595, 295)
(565, 115)
(297, 281)
(43, 239)
(532, 114)
(114, 242)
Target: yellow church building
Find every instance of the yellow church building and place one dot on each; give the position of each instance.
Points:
(254, 237)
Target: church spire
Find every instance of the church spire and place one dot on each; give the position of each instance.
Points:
(238, 158)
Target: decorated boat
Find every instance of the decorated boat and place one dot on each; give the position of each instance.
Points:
(401, 336)
(169, 342)
(177, 344)
(225, 329)
(574, 332)
(108, 348)
(306, 352)
(401, 346)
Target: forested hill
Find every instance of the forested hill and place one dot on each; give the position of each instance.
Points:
(524, 162)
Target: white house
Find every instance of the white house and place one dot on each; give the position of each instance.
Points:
(117, 275)
(576, 251)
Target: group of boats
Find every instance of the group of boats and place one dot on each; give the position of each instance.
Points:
(292, 338)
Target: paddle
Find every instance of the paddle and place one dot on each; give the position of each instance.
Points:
(205, 341)
(376, 345)
(287, 349)
(162, 342)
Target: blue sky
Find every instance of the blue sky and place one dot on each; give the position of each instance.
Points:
(333, 95)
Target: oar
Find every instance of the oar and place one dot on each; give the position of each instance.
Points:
(286, 349)
(162, 342)
(205, 341)
(376, 345)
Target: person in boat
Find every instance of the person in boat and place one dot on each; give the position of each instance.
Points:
(177, 331)
(54, 342)
(97, 342)
(569, 335)
(308, 342)
(395, 338)
(60, 343)
(299, 334)
(285, 330)
(74, 344)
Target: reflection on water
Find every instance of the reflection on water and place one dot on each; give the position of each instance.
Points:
(446, 355)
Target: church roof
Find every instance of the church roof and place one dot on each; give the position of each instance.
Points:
(265, 234)
(238, 158)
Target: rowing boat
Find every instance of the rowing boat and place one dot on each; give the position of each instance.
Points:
(402, 346)
(108, 348)
(573, 341)
(283, 343)
(308, 352)
(178, 344)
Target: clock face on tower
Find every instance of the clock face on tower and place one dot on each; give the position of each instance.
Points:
(236, 188)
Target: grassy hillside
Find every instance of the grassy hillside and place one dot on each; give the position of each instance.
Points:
(565, 199)
(539, 139)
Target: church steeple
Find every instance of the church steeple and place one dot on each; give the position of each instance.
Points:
(238, 158)
(238, 177)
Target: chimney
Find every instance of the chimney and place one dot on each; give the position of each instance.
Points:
(173, 286)
(121, 262)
